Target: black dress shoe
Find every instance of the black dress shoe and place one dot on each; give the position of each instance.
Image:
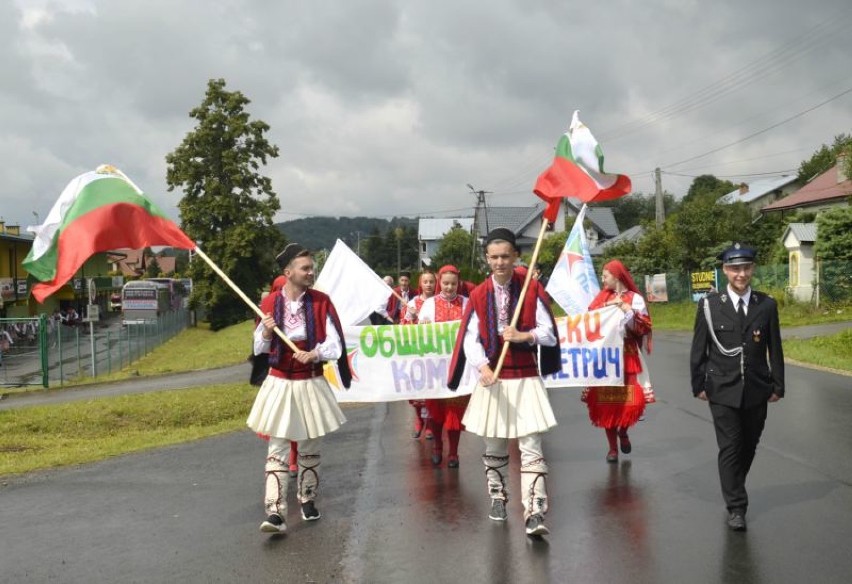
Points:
(737, 521)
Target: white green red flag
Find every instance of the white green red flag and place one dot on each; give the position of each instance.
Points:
(573, 284)
(98, 211)
(578, 171)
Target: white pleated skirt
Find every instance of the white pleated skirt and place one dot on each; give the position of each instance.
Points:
(510, 408)
(295, 409)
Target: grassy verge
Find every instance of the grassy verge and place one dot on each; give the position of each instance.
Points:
(192, 349)
(681, 316)
(834, 351)
(50, 436)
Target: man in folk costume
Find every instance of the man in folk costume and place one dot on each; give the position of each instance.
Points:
(737, 365)
(516, 405)
(404, 291)
(295, 402)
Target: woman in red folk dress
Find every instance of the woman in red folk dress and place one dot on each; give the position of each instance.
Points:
(617, 408)
(445, 413)
(409, 315)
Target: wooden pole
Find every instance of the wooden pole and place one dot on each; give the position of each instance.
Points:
(517, 314)
(242, 295)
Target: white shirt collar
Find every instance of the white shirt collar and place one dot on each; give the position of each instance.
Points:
(735, 298)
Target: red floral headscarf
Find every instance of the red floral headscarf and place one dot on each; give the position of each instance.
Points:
(621, 273)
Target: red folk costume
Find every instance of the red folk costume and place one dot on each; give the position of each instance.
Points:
(616, 408)
(408, 315)
(445, 414)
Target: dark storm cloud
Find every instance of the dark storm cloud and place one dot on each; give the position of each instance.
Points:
(383, 107)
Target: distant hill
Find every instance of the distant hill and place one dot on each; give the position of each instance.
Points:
(317, 233)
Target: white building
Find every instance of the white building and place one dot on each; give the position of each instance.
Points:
(799, 240)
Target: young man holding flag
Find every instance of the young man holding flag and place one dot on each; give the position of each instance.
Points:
(516, 404)
(295, 402)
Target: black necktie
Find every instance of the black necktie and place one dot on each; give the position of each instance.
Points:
(741, 309)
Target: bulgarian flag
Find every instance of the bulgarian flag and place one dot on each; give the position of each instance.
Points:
(98, 211)
(578, 171)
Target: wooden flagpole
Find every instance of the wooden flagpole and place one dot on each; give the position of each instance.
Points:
(242, 295)
(517, 314)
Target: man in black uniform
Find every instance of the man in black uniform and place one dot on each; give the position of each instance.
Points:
(737, 365)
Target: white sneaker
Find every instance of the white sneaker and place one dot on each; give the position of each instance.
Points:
(273, 524)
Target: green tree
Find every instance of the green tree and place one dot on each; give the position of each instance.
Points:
(638, 208)
(227, 205)
(701, 226)
(834, 249)
(152, 268)
(834, 234)
(550, 250)
(825, 157)
(455, 248)
(708, 186)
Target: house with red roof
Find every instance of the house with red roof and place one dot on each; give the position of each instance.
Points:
(828, 190)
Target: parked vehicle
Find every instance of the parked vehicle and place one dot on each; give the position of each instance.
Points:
(143, 301)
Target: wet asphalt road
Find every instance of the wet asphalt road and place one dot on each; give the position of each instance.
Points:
(191, 512)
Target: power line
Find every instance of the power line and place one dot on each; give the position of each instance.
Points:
(764, 130)
(769, 63)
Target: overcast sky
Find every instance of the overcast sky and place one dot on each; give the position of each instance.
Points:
(385, 108)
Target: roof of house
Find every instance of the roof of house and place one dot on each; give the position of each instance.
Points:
(131, 263)
(518, 218)
(435, 228)
(604, 219)
(804, 232)
(514, 218)
(823, 188)
(630, 234)
(757, 189)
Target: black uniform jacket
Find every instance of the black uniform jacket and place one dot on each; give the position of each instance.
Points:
(763, 359)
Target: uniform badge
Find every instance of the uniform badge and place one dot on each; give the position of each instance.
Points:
(755, 335)
(723, 297)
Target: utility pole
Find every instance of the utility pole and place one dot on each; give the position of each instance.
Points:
(661, 212)
(480, 217)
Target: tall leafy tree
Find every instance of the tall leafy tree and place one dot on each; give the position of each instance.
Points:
(709, 187)
(825, 157)
(227, 205)
(455, 248)
(834, 248)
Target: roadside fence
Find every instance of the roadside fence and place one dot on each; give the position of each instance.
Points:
(42, 351)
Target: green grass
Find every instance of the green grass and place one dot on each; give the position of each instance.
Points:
(834, 351)
(192, 349)
(43, 437)
(681, 315)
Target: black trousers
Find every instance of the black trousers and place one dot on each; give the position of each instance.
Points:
(738, 431)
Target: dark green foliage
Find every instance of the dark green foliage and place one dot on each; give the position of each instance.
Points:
(834, 249)
(317, 233)
(637, 208)
(456, 248)
(825, 158)
(708, 186)
(395, 249)
(227, 205)
(152, 267)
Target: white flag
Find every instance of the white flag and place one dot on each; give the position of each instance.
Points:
(573, 283)
(354, 288)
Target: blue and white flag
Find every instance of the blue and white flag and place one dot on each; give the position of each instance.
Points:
(573, 283)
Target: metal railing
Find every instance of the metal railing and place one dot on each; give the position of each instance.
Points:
(51, 353)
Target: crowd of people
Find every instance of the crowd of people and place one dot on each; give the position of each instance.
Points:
(510, 340)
